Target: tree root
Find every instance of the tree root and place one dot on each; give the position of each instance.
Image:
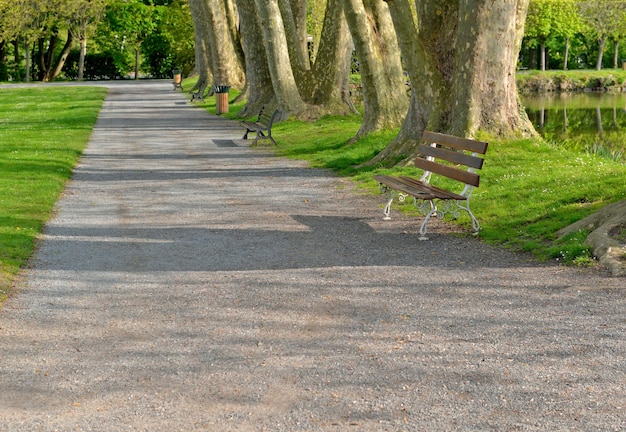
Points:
(607, 238)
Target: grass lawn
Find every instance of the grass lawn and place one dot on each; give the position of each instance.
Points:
(43, 133)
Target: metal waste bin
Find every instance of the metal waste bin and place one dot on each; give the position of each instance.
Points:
(177, 79)
(221, 98)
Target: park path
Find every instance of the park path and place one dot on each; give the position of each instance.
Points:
(189, 282)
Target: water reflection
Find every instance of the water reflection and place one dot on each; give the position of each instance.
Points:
(591, 122)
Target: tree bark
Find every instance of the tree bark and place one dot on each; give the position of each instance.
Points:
(226, 66)
(423, 80)
(81, 58)
(202, 50)
(258, 79)
(601, 45)
(462, 67)
(486, 55)
(331, 69)
(284, 83)
(384, 96)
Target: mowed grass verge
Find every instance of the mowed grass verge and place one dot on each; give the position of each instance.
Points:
(43, 133)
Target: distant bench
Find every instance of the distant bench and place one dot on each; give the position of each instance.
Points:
(445, 155)
(262, 126)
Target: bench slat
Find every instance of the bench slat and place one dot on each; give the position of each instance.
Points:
(448, 171)
(455, 142)
(451, 156)
(434, 190)
(417, 188)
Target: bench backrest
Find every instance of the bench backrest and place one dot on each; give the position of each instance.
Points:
(455, 150)
(267, 119)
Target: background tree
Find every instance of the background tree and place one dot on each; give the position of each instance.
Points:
(540, 23)
(83, 17)
(551, 20)
(605, 20)
(127, 24)
(171, 45)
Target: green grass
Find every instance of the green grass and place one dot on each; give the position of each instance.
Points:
(43, 132)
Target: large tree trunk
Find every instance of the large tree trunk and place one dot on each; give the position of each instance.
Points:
(298, 54)
(275, 40)
(226, 66)
(423, 81)
(487, 46)
(330, 72)
(202, 50)
(462, 68)
(384, 95)
(258, 79)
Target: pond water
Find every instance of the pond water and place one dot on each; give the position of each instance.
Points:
(591, 122)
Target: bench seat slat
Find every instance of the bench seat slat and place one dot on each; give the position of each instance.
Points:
(417, 188)
(455, 142)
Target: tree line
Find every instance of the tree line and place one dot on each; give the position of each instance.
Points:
(93, 39)
(558, 31)
(423, 64)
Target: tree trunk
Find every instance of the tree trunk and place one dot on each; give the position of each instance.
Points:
(226, 66)
(542, 55)
(298, 54)
(258, 79)
(420, 76)
(385, 101)
(601, 44)
(81, 58)
(52, 69)
(330, 72)
(137, 63)
(275, 41)
(462, 70)
(27, 59)
(566, 55)
(202, 50)
(615, 54)
(487, 47)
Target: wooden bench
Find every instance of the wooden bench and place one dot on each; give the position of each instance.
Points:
(262, 126)
(445, 155)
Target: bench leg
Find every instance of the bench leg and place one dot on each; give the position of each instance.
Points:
(423, 228)
(387, 209)
(259, 135)
(464, 205)
(245, 136)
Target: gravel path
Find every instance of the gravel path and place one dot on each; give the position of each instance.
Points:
(190, 283)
